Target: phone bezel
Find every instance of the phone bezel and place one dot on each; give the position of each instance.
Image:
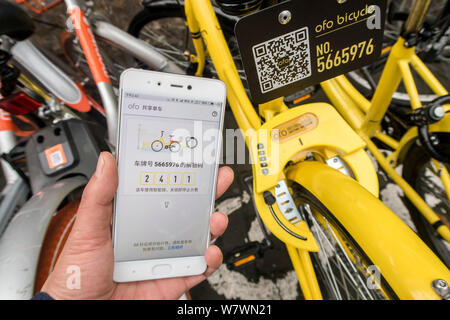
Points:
(136, 79)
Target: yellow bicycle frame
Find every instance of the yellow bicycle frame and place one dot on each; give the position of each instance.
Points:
(331, 137)
(365, 117)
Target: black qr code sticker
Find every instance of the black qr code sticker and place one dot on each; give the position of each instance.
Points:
(56, 158)
(283, 60)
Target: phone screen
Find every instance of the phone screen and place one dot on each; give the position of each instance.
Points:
(167, 162)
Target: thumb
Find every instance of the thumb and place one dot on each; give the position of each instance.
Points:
(93, 222)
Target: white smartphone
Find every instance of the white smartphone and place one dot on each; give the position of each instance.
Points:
(170, 131)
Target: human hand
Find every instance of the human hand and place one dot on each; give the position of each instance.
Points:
(89, 246)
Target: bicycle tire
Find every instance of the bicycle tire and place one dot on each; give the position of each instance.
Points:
(155, 144)
(175, 146)
(413, 169)
(168, 11)
(173, 11)
(147, 15)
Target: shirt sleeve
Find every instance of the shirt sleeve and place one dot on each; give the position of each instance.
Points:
(42, 296)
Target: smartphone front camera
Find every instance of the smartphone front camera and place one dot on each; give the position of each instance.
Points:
(189, 87)
(159, 83)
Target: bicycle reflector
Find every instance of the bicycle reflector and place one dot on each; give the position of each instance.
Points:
(19, 104)
(239, 7)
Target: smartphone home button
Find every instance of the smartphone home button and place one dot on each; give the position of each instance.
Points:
(161, 269)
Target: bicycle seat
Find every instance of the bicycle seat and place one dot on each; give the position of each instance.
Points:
(14, 22)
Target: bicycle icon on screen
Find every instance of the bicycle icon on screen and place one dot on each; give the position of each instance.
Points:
(172, 145)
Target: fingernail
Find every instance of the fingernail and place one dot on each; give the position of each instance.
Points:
(100, 165)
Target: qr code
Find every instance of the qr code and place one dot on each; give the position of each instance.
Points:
(283, 60)
(56, 158)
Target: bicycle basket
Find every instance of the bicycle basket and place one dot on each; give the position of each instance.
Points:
(39, 6)
(239, 7)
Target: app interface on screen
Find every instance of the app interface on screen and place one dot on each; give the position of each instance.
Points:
(167, 161)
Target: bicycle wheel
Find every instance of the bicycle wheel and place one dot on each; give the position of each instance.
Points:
(165, 29)
(175, 146)
(343, 269)
(419, 172)
(355, 229)
(157, 146)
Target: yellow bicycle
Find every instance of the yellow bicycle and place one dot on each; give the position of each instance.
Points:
(423, 149)
(159, 144)
(316, 188)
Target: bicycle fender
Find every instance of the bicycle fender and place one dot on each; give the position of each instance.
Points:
(53, 78)
(404, 260)
(20, 244)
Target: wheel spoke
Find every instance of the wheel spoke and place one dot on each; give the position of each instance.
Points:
(342, 276)
(159, 38)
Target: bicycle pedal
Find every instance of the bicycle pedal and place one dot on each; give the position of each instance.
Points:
(244, 255)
